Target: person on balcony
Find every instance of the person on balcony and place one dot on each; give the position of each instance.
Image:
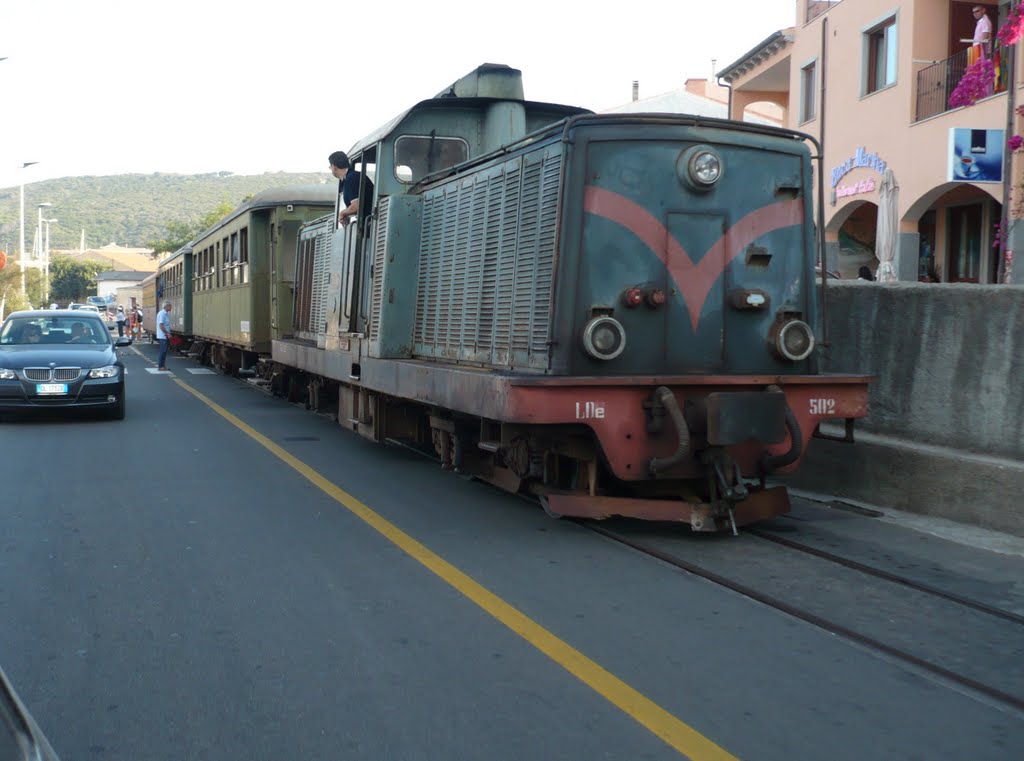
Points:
(982, 43)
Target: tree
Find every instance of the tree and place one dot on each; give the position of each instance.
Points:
(11, 297)
(177, 235)
(216, 214)
(182, 233)
(73, 279)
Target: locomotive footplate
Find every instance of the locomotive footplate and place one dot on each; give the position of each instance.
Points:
(760, 505)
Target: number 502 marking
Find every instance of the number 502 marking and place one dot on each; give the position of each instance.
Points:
(823, 406)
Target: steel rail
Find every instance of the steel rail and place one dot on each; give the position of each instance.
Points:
(811, 618)
(894, 578)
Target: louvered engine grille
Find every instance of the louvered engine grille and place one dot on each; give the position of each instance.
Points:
(321, 273)
(37, 373)
(66, 373)
(487, 265)
(312, 271)
(379, 251)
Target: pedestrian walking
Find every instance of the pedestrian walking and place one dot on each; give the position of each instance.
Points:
(121, 319)
(163, 333)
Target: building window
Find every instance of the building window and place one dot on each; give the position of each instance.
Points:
(808, 88)
(881, 56)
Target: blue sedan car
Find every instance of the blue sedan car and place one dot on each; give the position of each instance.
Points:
(60, 359)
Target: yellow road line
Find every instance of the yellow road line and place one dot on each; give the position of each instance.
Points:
(147, 359)
(677, 734)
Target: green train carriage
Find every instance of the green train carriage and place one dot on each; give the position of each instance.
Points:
(174, 285)
(244, 269)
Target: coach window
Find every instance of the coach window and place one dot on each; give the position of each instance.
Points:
(236, 274)
(229, 275)
(418, 156)
(243, 253)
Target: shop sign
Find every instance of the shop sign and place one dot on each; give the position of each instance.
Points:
(864, 186)
(975, 155)
(861, 158)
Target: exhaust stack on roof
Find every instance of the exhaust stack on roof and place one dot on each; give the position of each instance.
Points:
(489, 80)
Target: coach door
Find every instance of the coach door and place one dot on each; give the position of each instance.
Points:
(695, 258)
(282, 275)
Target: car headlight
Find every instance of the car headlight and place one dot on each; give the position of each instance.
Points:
(700, 167)
(795, 340)
(604, 338)
(104, 372)
(6, 374)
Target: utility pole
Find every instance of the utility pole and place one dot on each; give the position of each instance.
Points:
(21, 248)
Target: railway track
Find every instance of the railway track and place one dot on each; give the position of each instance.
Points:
(823, 622)
(894, 578)
(829, 625)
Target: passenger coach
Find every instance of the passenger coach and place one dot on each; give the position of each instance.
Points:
(242, 276)
(149, 304)
(174, 286)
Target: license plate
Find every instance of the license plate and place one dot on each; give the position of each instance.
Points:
(51, 388)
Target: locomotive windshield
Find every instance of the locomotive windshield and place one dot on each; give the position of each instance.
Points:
(418, 156)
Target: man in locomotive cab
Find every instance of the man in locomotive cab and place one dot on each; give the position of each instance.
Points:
(348, 186)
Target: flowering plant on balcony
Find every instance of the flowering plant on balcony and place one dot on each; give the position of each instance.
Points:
(1013, 29)
(975, 84)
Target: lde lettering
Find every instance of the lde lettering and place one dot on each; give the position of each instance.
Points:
(589, 410)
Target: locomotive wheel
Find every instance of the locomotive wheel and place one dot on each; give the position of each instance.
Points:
(547, 508)
(294, 388)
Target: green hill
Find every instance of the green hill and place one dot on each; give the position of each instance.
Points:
(129, 209)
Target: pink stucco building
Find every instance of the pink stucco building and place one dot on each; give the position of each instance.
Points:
(872, 80)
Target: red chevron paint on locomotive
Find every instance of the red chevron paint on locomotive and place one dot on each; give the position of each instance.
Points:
(694, 280)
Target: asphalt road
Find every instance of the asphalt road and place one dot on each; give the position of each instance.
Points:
(171, 588)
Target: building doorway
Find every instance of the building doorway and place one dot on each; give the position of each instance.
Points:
(964, 243)
(927, 268)
(857, 241)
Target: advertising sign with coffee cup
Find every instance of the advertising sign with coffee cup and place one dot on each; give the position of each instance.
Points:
(975, 155)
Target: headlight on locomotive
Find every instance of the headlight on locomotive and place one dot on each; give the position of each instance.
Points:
(700, 167)
(794, 340)
(604, 338)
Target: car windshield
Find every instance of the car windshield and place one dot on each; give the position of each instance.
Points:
(22, 331)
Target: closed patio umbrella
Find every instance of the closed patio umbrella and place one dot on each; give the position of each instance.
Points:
(888, 227)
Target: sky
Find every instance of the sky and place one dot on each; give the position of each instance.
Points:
(98, 87)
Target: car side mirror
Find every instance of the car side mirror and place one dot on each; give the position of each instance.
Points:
(123, 341)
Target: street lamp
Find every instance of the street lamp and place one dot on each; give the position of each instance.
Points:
(39, 228)
(46, 262)
(21, 249)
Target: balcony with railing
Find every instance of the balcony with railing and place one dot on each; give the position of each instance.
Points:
(936, 83)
